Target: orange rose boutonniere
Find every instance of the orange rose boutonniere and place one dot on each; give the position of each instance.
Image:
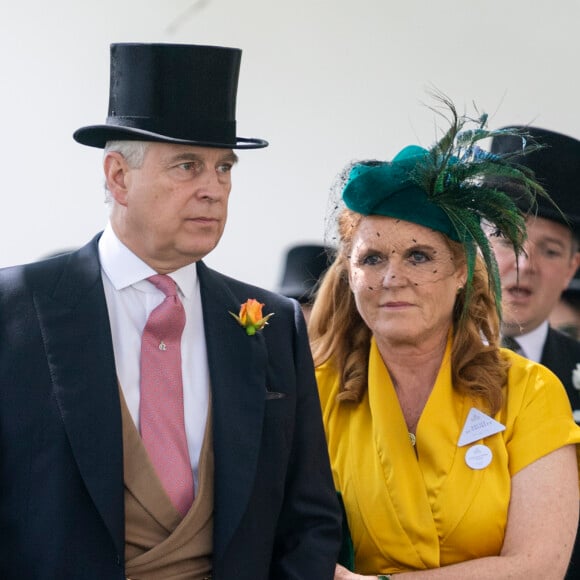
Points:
(251, 317)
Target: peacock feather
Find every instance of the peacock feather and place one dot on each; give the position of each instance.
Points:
(470, 185)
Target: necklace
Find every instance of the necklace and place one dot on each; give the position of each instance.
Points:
(412, 438)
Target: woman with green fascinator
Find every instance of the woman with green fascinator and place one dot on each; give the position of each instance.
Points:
(453, 457)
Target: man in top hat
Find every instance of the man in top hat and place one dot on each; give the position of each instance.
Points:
(532, 286)
(304, 265)
(155, 422)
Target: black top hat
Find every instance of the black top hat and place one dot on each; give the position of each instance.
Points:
(305, 264)
(556, 166)
(176, 93)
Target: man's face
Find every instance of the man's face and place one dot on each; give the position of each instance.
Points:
(172, 210)
(546, 268)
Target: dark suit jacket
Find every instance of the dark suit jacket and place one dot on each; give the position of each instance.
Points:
(61, 457)
(561, 353)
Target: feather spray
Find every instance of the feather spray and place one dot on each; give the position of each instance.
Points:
(470, 185)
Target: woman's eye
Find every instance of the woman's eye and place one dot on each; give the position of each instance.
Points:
(419, 257)
(371, 260)
(225, 168)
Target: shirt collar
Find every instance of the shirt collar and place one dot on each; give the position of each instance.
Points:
(124, 268)
(533, 342)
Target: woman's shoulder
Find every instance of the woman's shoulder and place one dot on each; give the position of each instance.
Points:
(537, 413)
(529, 380)
(522, 368)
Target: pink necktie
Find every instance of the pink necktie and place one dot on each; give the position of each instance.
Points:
(161, 407)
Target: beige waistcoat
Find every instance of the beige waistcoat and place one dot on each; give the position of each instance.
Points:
(159, 543)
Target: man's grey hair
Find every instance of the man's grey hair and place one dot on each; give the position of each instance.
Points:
(132, 151)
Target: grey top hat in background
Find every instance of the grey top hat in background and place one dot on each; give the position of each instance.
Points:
(556, 165)
(304, 266)
(176, 93)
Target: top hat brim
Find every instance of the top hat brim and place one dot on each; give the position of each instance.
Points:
(99, 135)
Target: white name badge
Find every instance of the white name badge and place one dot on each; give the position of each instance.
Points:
(477, 426)
(478, 456)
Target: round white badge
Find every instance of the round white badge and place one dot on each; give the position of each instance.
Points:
(478, 456)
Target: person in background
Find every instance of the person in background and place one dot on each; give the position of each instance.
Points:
(304, 266)
(533, 284)
(565, 316)
(155, 423)
(449, 461)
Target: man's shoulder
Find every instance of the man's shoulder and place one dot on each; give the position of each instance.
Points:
(559, 340)
(27, 274)
(243, 290)
(45, 273)
(562, 355)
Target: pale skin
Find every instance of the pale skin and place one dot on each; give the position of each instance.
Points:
(407, 303)
(172, 210)
(404, 281)
(549, 262)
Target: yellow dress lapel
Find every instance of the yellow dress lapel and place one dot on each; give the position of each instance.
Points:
(441, 461)
(393, 492)
(396, 487)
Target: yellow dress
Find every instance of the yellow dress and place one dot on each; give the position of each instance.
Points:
(425, 507)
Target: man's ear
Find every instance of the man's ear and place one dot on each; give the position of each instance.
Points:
(116, 170)
(574, 265)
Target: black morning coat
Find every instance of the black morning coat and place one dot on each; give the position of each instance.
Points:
(61, 454)
(561, 354)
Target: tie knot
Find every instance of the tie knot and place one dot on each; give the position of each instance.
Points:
(166, 284)
(511, 343)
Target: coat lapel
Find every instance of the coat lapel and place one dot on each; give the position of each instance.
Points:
(75, 328)
(237, 364)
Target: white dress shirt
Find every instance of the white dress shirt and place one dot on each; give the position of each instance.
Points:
(130, 300)
(532, 343)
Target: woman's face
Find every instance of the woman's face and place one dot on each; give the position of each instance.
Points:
(405, 279)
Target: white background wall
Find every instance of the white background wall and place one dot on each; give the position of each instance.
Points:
(325, 81)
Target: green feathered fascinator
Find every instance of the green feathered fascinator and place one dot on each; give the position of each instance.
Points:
(453, 188)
